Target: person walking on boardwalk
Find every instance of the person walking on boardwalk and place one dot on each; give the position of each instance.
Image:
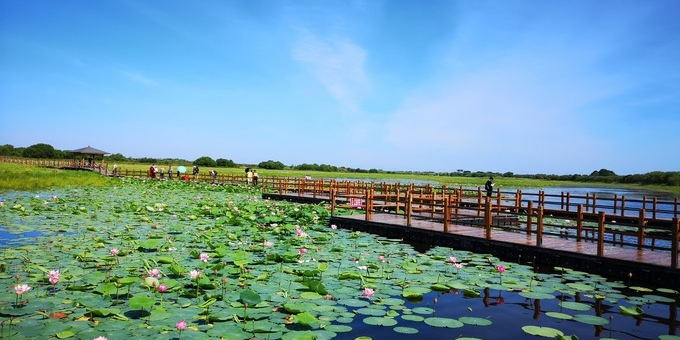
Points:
(255, 177)
(489, 187)
(195, 173)
(170, 172)
(249, 176)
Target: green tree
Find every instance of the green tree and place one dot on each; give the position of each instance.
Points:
(272, 165)
(116, 157)
(9, 150)
(205, 161)
(40, 150)
(225, 163)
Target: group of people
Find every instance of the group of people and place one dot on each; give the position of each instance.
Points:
(251, 176)
(155, 173)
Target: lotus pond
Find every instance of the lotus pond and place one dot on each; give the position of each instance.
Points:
(159, 260)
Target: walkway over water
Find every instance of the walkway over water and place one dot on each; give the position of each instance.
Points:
(600, 235)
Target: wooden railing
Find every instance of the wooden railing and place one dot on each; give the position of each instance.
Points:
(632, 223)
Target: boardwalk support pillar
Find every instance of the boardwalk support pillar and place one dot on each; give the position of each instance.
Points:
(539, 228)
(674, 245)
(600, 233)
(487, 218)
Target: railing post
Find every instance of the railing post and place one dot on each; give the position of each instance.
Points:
(674, 243)
(623, 205)
(487, 218)
(616, 196)
(367, 209)
(530, 212)
(409, 204)
(332, 197)
(641, 229)
(568, 201)
(600, 233)
(539, 228)
(479, 202)
(579, 223)
(447, 211)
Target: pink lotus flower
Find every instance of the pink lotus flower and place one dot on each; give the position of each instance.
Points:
(204, 257)
(53, 276)
(194, 274)
(368, 292)
(299, 232)
(268, 244)
(458, 265)
(155, 273)
(381, 258)
(334, 227)
(303, 250)
(181, 325)
(452, 259)
(114, 251)
(21, 289)
(500, 268)
(162, 288)
(100, 338)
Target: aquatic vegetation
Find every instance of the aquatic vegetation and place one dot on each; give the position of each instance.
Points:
(195, 261)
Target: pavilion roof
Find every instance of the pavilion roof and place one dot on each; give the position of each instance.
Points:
(89, 151)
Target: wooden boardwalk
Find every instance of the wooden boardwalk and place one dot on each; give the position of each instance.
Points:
(545, 251)
(657, 258)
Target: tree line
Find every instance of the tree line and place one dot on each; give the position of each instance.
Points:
(42, 150)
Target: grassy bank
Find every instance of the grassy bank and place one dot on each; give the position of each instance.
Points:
(29, 178)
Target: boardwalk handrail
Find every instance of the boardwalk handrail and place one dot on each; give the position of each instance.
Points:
(515, 212)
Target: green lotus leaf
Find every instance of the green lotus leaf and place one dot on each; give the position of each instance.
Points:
(165, 259)
(557, 315)
(315, 286)
(305, 319)
(546, 332)
(641, 289)
(667, 290)
(443, 322)
(405, 330)
(658, 298)
(65, 334)
(575, 306)
(668, 337)
(631, 311)
(537, 295)
(475, 321)
(310, 296)
(298, 307)
(380, 321)
(339, 328)
(240, 258)
(151, 244)
(142, 302)
(250, 297)
(591, 319)
(416, 318)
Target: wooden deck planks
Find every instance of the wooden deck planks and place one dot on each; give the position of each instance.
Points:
(658, 258)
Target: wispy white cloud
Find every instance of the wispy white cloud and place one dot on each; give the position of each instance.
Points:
(338, 64)
(139, 78)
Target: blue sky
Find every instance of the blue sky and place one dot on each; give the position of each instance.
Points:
(525, 86)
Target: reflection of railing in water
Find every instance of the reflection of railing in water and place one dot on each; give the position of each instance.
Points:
(565, 218)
